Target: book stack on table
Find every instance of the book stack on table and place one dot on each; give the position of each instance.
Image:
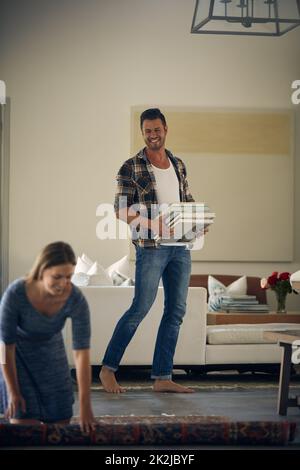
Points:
(242, 303)
(186, 219)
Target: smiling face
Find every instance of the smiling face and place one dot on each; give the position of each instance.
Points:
(56, 280)
(154, 133)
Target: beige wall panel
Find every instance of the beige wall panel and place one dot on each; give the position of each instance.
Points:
(225, 132)
(74, 69)
(254, 207)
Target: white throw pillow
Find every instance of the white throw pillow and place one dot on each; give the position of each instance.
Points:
(122, 267)
(118, 279)
(93, 269)
(128, 282)
(216, 290)
(82, 265)
(98, 276)
(80, 279)
(90, 273)
(86, 259)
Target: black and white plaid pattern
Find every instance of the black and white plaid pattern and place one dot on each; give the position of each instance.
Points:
(136, 186)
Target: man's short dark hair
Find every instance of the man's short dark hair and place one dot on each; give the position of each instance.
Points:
(151, 114)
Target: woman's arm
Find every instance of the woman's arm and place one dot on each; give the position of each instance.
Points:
(11, 379)
(83, 373)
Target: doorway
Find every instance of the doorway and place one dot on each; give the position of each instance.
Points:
(4, 195)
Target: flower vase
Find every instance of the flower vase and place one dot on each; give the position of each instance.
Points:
(281, 301)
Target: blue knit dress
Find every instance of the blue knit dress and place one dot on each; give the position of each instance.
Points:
(42, 366)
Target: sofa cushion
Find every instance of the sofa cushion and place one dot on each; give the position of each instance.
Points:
(121, 272)
(253, 284)
(217, 289)
(244, 334)
(83, 264)
(121, 266)
(90, 273)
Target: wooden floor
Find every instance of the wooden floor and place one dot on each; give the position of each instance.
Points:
(244, 396)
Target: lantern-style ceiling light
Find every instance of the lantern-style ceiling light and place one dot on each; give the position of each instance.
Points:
(248, 17)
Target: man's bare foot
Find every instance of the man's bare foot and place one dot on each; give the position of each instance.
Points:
(170, 386)
(109, 382)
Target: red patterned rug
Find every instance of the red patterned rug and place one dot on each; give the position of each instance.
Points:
(153, 430)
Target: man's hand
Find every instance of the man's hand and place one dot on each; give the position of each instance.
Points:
(202, 232)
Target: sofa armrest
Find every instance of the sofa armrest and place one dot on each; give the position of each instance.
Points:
(192, 337)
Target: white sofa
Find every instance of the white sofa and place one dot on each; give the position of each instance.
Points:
(108, 303)
(199, 345)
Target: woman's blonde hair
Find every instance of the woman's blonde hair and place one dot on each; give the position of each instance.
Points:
(54, 254)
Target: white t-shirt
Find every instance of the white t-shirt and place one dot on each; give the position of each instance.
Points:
(167, 188)
(167, 184)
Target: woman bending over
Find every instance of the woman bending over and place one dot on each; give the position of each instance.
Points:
(35, 381)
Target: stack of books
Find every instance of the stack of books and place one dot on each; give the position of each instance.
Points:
(242, 303)
(186, 219)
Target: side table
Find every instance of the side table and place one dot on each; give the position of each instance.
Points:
(285, 340)
(223, 318)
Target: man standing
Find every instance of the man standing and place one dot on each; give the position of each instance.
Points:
(151, 178)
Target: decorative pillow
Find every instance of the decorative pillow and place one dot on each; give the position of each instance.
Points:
(86, 259)
(128, 282)
(216, 290)
(120, 280)
(82, 265)
(80, 279)
(98, 276)
(122, 267)
(90, 273)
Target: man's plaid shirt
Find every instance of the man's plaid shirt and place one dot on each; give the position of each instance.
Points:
(136, 187)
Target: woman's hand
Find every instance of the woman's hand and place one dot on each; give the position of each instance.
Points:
(16, 402)
(86, 419)
(83, 373)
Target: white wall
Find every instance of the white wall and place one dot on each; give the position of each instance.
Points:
(73, 69)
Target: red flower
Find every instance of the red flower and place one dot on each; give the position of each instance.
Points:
(284, 276)
(272, 280)
(279, 282)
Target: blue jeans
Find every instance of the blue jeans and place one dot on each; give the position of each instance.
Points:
(173, 265)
